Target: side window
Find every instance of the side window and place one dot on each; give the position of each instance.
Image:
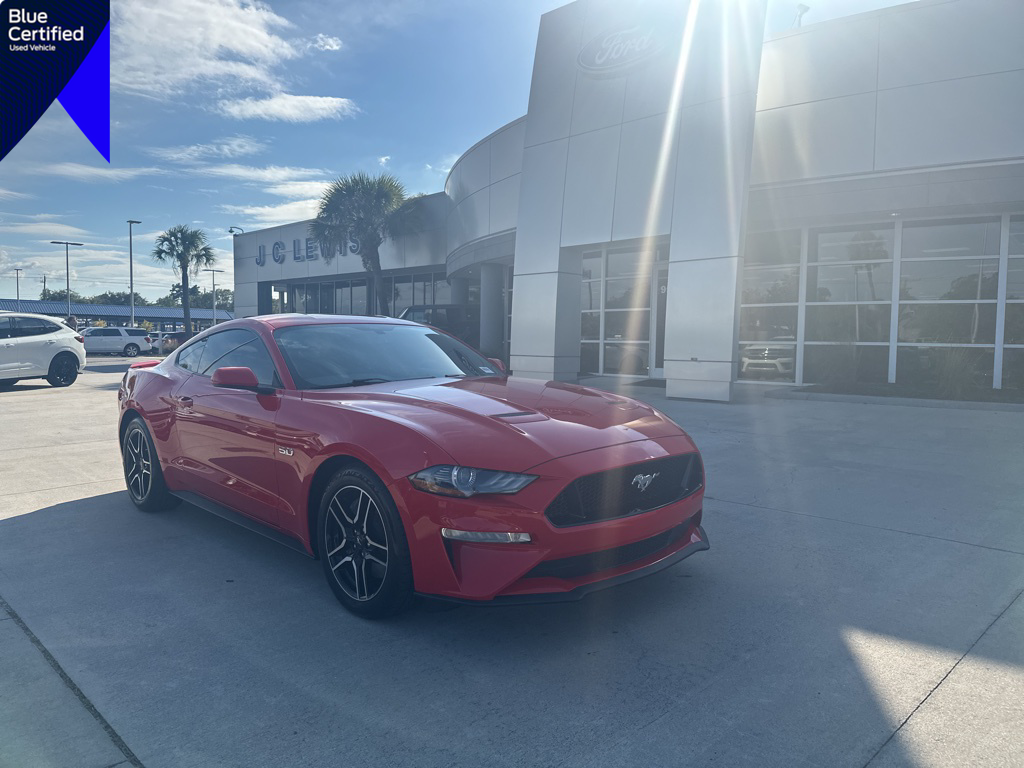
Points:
(32, 326)
(189, 357)
(416, 315)
(239, 348)
(5, 328)
(137, 332)
(108, 332)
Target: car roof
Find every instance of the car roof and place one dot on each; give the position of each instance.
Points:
(283, 321)
(51, 318)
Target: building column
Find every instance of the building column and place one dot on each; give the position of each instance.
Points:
(460, 290)
(492, 309)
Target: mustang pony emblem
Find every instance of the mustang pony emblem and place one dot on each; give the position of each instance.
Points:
(643, 481)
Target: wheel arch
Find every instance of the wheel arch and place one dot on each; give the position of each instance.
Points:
(126, 418)
(318, 484)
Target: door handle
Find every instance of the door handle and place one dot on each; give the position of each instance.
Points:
(52, 341)
(10, 344)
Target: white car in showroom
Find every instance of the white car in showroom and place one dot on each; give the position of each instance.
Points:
(117, 341)
(39, 347)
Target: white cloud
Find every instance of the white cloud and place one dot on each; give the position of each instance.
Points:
(271, 215)
(162, 49)
(10, 194)
(324, 42)
(298, 189)
(289, 108)
(383, 160)
(271, 174)
(81, 172)
(444, 165)
(51, 229)
(229, 148)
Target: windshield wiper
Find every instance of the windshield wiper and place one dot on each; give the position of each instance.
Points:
(360, 382)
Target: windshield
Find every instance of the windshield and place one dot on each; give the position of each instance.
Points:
(350, 354)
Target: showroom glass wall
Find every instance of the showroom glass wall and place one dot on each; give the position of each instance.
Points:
(623, 310)
(915, 302)
(354, 296)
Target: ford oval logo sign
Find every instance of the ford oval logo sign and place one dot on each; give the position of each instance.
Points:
(619, 49)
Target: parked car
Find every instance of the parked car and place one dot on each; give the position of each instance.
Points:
(156, 341)
(117, 341)
(408, 463)
(39, 347)
(459, 320)
(769, 359)
(171, 341)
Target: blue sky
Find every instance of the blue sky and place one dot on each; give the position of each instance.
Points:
(231, 112)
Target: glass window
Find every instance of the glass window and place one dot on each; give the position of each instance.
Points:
(442, 291)
(6, 331)
(772, 285)
(944, 367)
(856, 244)
(841, 363)
(1013, 368)
(629, 263)
(298, 294)
(137, 332)
(592, 265)
(108, 332)
(416, 315)
(32, 326)
(848, 322)
(1015, 280)
(312, 298)
(590, 358)
(950, 238)
(1017, 236)
(626, 359)
(403, 295)
(343, 299)
(590, 325)
(768, 361)
(348, 354)
(620, 294)
(359, 297)
(850, 282)
(591, 298)
(949, 279)
(948, 323)
(767, 323)
(238, 348)
(772, 248)
(327, 298)
(191, 356)
(635, 325)
(1014, 330)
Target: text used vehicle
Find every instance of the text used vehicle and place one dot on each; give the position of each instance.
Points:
(409, 463)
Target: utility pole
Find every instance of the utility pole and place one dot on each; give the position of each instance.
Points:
(67, 266)
(17, 285)
(131, 270)
(44, 285)
(213, 277)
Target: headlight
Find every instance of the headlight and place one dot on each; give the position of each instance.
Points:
(449, 480)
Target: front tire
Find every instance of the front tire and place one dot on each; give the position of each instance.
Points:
(363, 548)
(63, 370)
(132, 350)
(142, 474)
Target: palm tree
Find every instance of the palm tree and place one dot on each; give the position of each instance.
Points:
(187, 251)
(366, 210)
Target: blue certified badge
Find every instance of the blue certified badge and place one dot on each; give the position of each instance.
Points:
(55, 49)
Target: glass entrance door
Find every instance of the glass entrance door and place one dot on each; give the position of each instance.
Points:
(659, 300)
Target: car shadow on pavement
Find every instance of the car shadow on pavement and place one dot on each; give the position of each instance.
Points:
(773, 648)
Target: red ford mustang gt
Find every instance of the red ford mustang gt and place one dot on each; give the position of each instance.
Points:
(408, 463)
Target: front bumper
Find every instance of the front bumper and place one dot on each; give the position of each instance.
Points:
(560, 563)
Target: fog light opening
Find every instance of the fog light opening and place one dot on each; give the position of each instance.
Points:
(486, 537)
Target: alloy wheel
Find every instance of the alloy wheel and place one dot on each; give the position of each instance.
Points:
(138, 464)
(356, 543)
(64, 370)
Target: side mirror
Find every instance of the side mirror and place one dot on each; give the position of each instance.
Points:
(236, 378)
(497, 363)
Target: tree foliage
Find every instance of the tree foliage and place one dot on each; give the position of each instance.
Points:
(187, 251)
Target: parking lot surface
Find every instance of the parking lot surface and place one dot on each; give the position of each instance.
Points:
(860, 605)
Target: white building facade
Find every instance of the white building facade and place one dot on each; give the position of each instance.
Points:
(843, 203)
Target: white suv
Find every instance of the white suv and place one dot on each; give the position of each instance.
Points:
(117, 341)
(38, 347)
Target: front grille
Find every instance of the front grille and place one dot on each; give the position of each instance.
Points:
(594, 562)
(617, 492)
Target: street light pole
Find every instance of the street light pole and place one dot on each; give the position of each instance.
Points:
(131, 270)
(67, 267)
(213, 277)
(17, 285)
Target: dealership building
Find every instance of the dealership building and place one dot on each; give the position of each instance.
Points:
(842, 203)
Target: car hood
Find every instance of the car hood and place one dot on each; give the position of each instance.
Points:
(511, 424)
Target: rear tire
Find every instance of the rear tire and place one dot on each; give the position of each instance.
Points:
(142, 474)
(63, 370)
(132, 350)
(362, 544)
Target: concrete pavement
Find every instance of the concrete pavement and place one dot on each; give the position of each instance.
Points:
(860, 605)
